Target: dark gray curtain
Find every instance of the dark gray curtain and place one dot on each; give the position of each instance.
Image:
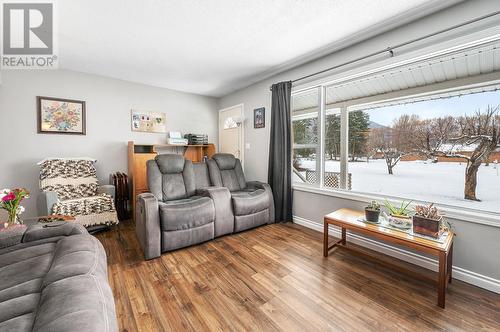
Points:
(280, 151)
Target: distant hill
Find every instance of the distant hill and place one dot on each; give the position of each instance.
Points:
(373, 125)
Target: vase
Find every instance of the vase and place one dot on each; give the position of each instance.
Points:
(13, 220)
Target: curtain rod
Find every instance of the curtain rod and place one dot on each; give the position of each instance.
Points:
(391, 49)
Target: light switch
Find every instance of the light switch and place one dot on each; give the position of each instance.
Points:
(247, 146)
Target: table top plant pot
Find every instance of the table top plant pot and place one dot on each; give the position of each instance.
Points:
(372, 212)
(428, 221)
(399, 215)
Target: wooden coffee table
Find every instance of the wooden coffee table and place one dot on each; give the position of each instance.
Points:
(348, 219)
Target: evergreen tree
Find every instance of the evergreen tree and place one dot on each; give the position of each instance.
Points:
(332, 136)
(359, 122)
(305, 131)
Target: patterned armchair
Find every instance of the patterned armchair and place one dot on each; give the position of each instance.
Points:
(70, 187)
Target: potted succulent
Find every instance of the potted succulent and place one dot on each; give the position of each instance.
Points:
(399, 216)
(428, 221)
(372, 212)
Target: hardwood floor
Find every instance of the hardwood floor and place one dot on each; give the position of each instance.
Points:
(275, 278)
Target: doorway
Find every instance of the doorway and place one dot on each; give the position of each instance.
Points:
(231, 127)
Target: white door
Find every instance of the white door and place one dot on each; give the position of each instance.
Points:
(231, 131)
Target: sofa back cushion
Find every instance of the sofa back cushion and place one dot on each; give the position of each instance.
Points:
(201, 175)
(69, 178)
(171, 177)
(56, 280)
(226, 171)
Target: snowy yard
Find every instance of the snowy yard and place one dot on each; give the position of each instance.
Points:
(440, 182)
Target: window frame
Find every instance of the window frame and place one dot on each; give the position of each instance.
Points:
(432, 91)
(319, 146)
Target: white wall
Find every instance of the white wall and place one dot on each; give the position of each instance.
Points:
(475, 243)
(108, 105)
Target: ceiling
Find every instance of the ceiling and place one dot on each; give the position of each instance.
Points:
(216, 47)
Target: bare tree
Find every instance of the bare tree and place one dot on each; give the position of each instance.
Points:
(395, 142)
(481, 130)
(447, 137)
(380, 141)
(432, 134)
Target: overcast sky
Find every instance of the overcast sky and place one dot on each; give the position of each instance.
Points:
(455, 106)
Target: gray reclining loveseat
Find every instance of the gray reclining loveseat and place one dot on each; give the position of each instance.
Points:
(183, 207)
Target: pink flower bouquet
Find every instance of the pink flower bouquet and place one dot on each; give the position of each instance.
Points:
(10, 200)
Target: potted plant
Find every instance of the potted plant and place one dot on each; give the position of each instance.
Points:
(428, 221)
(10, 200)
(372, 212)
(399, 216)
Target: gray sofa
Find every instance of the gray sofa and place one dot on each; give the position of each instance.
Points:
(54, 279)
(187, 206)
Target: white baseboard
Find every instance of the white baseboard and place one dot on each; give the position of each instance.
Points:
(459, 273)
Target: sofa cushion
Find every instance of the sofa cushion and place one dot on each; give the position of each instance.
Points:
(224, 160)
(230, 180)
(249, 221)
(249, 201)
(173, 186)
(226, 171)
(172, 240)
(170, 163)
(22, 272)
(75, 293)
(186, 213)
(201, 175)
(56, 283)
(170, 177)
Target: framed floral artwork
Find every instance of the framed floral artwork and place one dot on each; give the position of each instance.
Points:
(60, 116)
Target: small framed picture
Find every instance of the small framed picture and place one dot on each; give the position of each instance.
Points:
(259, 117)
(149, 122)
(60, 116)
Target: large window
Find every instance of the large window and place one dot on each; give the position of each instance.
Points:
(442, 150)
(306, 144)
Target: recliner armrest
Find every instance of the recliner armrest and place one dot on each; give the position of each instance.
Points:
(267, 188)
(40, 231)
(147, 225)
(45, 202)
(257, 185)
(107, 189)
(224, 218)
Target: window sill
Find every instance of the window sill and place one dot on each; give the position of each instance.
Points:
(473, 216)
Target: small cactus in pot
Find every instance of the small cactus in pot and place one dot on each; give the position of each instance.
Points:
(372, 212)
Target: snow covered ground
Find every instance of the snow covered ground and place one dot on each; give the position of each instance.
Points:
(433, 182)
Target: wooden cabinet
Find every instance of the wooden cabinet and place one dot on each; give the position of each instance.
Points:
(139, 154)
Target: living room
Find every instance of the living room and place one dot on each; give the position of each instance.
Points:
(285, 165)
